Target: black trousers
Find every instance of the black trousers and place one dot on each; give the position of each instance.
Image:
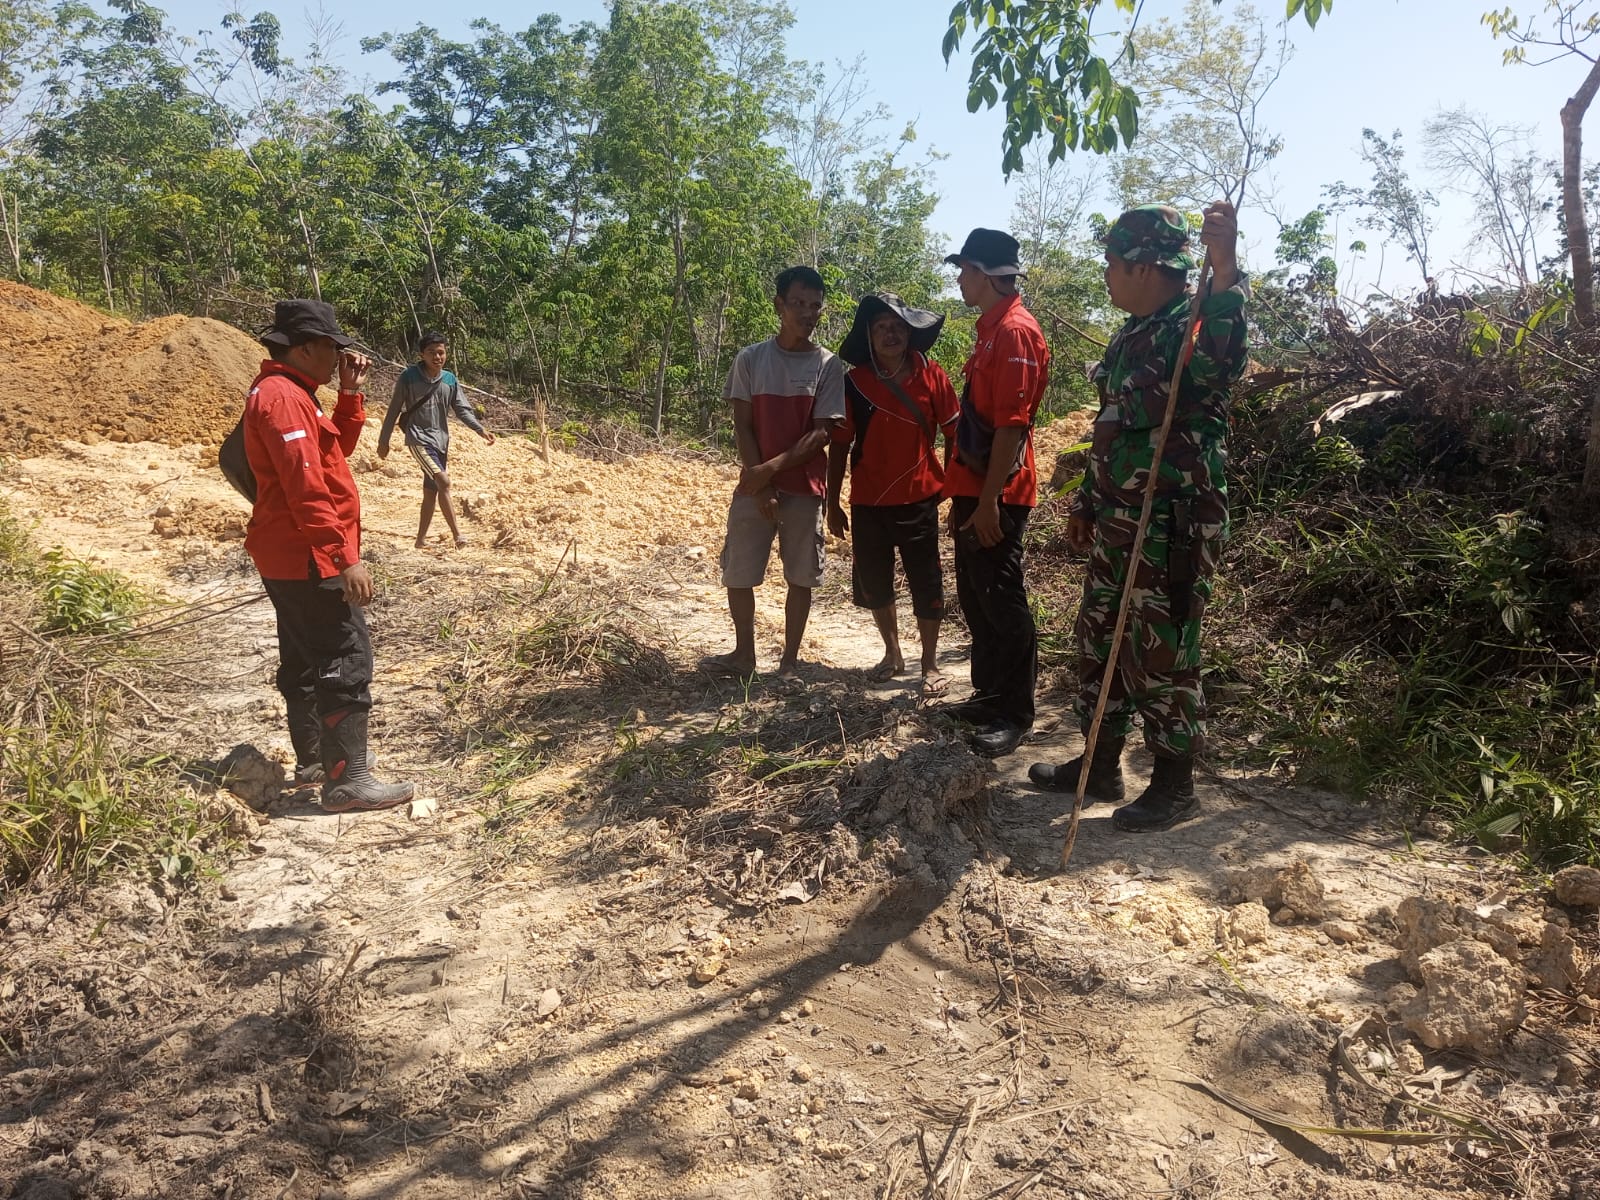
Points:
(994, 601)
(876, 532)
(324, 650)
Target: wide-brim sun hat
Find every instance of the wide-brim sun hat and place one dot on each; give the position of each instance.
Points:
(856, 349)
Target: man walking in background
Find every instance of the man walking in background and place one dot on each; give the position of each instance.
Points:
(993, 486)
(1148, 261)
(424, 396)
(305, 539)
(787, 395)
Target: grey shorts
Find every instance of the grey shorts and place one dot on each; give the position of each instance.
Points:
(749, 542)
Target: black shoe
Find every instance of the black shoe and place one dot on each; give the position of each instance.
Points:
(1105, 773)
(348, 784)
(1169, 799)
(968, 712)
(997, 739)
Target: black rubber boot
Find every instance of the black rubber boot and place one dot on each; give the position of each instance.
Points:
(305, 732)
(1169, 799)
(1105, 773)
(349, 785)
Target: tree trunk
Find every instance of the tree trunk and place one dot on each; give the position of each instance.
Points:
(1572, 114)
(681, 263)
(11, 224)
(1589, 489)
(311, 254)
(105, 266)
(661, 363)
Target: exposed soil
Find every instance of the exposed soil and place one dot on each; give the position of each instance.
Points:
(676, 938)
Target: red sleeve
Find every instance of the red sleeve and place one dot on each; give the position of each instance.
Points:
(350, 415)
(1020, 373)
(946, 408)
(287, 422)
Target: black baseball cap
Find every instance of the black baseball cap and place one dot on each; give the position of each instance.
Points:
(991, 251)
(297, 321)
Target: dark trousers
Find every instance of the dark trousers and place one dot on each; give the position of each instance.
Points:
(876, 532)
(994, 601)
(324, 651)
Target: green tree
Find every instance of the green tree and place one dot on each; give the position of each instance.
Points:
(1039, 57)
(1066, 283)
(1202, 83)
(679, 150)
(1568, 32)
(1391, 205)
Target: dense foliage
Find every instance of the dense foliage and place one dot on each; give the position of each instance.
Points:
(594, 213)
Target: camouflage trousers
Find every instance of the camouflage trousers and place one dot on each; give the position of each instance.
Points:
(1158, 669)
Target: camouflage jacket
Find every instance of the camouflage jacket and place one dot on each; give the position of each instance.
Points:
(1133, 378)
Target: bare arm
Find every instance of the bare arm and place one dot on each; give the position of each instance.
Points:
(838, 460)
(758, 475)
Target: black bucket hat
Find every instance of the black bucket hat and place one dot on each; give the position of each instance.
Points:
(856, 349)
(298, 321)
(991, 251)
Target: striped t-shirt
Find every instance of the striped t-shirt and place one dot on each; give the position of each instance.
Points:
(787, 391)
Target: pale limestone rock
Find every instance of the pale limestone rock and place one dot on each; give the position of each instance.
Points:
(1578, 887)
(1471, 997)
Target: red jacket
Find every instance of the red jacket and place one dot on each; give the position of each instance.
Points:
(307, 518)
(1005, 378)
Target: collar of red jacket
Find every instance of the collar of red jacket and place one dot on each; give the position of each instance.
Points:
(995, 317)
(919, 364)
(272, 366)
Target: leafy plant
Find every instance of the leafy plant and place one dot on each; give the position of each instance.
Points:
(80, 597)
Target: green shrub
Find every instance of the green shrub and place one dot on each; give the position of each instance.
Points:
(80, 597)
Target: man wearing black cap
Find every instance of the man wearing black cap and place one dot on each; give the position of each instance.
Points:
(993, 487)
(897, 401)
(305, 539)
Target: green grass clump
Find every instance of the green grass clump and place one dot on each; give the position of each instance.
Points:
(80, 597)
(74, 801)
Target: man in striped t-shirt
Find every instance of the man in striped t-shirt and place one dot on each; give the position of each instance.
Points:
(787, 395)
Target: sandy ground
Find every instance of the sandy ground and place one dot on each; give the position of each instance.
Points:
(402, 1005)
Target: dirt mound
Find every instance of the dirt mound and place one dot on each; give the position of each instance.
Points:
(177, 380)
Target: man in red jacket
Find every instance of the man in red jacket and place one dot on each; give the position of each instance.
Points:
(305, 539)
(993, 485)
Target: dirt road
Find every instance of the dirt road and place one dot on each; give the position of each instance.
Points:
(652, 935)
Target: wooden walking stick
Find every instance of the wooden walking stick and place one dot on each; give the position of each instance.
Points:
(1185, 353)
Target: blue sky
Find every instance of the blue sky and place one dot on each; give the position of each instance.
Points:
(1387, 64)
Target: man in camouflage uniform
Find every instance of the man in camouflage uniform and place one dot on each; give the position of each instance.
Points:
(1148, 259)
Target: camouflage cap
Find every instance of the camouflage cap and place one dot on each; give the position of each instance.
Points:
(1151, 233)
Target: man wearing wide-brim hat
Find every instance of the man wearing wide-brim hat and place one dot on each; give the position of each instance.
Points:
(305, 539)
(1148, 259)
(993, 487)
(897, 403)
